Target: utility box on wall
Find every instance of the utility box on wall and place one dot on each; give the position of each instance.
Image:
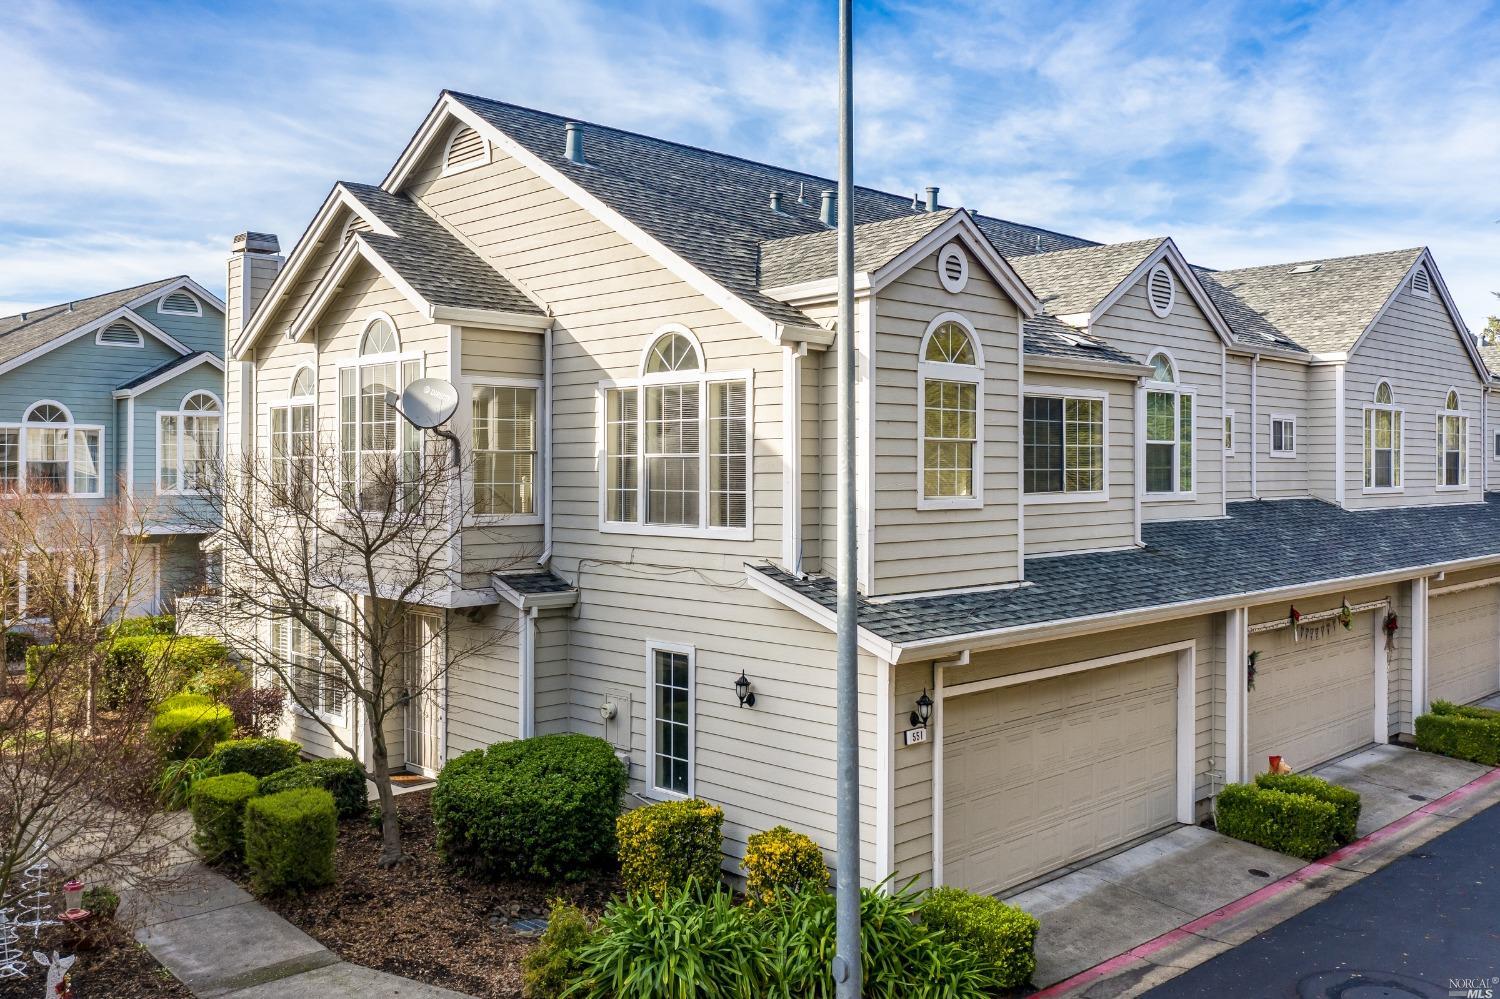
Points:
(618, 718)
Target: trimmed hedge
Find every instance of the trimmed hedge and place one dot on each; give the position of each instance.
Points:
(1002, 935)
(256, 757)
(40, 658)
(289, 839)
(191, 731)
(218, 806)
(1462, 733)
(1464, 710)
(1344, 801)
(670, 845)
(543, 807)
(145, 625)
(780, 861)
(179, 701)
(1296, 824)
(343, 778)
(125, 671)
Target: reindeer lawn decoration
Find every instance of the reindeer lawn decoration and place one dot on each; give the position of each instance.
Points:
(58, 986)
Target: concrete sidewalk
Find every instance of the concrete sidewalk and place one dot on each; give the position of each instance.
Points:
(1095, 913)
(218, 941)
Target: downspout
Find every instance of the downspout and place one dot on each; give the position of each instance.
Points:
(1140, 454)
(546, 555)
(1254, 424)
(526, 710)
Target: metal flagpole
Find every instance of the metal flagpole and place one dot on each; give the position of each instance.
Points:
(846, 963)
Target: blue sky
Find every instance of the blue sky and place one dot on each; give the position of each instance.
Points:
(137, 138)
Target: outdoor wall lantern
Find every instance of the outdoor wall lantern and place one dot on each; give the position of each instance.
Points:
(923, 714)
(743, 692)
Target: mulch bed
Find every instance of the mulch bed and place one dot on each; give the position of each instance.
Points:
(423, 920)
(115, 968)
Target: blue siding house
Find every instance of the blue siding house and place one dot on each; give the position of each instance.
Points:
(118, 399)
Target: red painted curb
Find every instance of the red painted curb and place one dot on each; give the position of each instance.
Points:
(1141, 951)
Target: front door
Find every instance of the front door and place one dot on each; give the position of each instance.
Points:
(424, 680)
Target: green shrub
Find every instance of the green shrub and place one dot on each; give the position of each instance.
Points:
(781, 861)
(219, 682)
(1296, 824)
(290, 838)
(195, 731)
(1003, 936)
(124, 673)
(341, 777)
(16, 644)
(678, 947)
(178, 660)
(256, 757)
(1461, 735)
(101, 902)
(48, 662)
(902, 956)
(145, 625)
(179, 701)
(543, 807)
(1344, 801)
(553, 964)
(669, 844)
(1464, 710)
(174, 785)
(218, 805)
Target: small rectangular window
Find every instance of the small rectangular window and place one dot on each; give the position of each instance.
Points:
(1283, 437)
(621, 432)
(166, 453)
(85, 461)
(1063, 450)
(10, 458)
(951, 426)
(671, 710)
(1229, 432)
(504, 450)
(1452, 465)
(728, 454)
(1382, 448)
(1497, 445)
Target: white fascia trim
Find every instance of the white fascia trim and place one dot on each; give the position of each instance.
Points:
(124, 312)
(316, 232)
(448, 105)
(167, 376)
(494, 319)
(1168, 253)
(1241, 349)
(817, 613)
(813, 292)
(962, 227)
(1424, 259)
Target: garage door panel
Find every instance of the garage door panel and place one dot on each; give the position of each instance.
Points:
(1314, 699)
(1463, 652)
(1041, 774)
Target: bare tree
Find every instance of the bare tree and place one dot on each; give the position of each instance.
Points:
(76, 768)
(329, 561)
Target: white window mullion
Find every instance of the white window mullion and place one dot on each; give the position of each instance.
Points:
(704, 433)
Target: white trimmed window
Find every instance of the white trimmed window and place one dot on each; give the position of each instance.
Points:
(1452, 444)
(1383, 432)
(293, 441)
(1063, 447)
(377, 448)
(1283, 436)
(187, 452)
(1229, 433)
(950, 371)
(1169, 431)
(318, 682)
(504, 435)
(671, 720)
(50, 454)
(180, 303)
(677, 444)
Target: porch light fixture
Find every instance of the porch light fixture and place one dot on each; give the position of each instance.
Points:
(743, 692)
(923, 714)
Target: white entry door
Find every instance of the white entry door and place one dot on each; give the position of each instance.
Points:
(424, 668)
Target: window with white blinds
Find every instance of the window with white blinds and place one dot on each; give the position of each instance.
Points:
(677, 445)
(504, 435)
(316, 677)
(379, 451)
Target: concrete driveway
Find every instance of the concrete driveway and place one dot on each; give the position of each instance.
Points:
(1093, 913)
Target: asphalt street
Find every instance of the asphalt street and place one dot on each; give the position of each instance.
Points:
(1426, 925)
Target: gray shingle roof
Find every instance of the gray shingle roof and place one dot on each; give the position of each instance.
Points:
(1047, 337)
(1324, 309)
(1491, 355)
(1073, 281)
(432, 260)
(710, 208)
(531, 584)
(1247, 325)
(42, 326)
(161, 369)
(1259, 546)
(814, 255)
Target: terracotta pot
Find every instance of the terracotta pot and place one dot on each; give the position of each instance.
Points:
(1275, 764)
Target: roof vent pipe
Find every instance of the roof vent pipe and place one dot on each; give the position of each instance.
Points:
(932, 202)
(775, 201)
(574, 147)
(830, 212)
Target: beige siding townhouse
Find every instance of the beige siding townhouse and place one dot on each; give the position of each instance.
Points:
(1094, 482)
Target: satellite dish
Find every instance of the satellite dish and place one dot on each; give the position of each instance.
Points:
(429, 402)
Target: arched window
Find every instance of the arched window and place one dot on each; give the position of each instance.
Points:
(1169, 430)
(677, 442)
(292, 441)
(49, 453)
(378, 449)
(1452, 444)
(950, 374)
(187, 453)
(1384, 425)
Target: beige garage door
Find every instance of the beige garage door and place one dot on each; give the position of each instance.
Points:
(1314, 699)
(1463, 648)
(1041, 774)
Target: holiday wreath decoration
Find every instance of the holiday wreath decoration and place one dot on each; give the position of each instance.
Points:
(1391, 625)
(1346, 615)
(1250, 662)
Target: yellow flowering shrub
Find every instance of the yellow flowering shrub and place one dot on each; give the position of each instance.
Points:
(780, 862)
(670, 843)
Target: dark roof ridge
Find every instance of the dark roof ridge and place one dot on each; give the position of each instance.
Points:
(1320, 260)
(48, 311)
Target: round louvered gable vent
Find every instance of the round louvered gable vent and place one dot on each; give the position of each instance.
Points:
(120, 334)
(466, 149)
(1161, 291)
(953, 268)
(180, 303)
